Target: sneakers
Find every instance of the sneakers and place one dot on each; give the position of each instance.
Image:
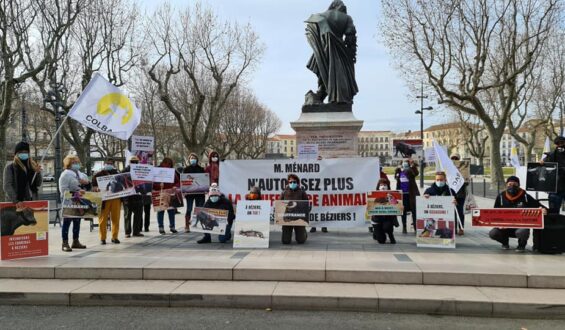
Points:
(161, 231)
(116, 241)
(505, 247)
(173, 230)
(77, 245)
(66, 247)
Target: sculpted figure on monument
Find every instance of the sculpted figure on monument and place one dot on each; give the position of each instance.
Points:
(333, 39)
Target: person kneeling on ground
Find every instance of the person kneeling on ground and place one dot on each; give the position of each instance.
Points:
(216, 200)
(293, 192)
(513, 197)
(384, 224)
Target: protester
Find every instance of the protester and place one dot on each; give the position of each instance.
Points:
(439, 187)
(384, 177)
(19, 184)
(460, 197)
(406, 182)
(557, 156)
(217, 200)
(146, 202)
(383, 225)
(213, 167)
(134, 208)
(193, 199)
(70, 181)
(293, 192)
(513, 197)
(167, 162)
(109, 207)
(254, 194)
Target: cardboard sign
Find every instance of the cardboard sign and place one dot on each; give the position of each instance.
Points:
(308, 151)
(407, 148)
(292, 213)
(210, 221)
(163, 174)
(194, 183)
(385, 202)
(508, 218)
(87, 205)
(252, 227)
(25, 231)
(143, 147)
(435, 222)
(165, 199)
(542, 177)
(115, 186)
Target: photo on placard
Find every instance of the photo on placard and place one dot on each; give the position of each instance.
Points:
(541, 178)
(252, 228)
(116, 186)
(385, 202)
(24, 230)
(211, 221)
(85, 205)
(435, 222)
(292, 213)
(194, 183)
(166, 199)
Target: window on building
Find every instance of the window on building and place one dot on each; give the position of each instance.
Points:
(285, 149)
(291, 149)
(285, 142)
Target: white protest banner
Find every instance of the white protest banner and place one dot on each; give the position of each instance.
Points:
(252, 226)
(163, 174)
(104, 108)
(454, 178)
(115, 186)
(308, 151)
(142, 172)
(194, 183)
(435, 222)
(337, 187)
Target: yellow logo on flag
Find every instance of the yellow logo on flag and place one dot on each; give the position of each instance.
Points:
(108, 101)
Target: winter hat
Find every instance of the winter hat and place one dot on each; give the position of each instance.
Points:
(513, 179)
(192, 154)
(214, 190)
(21, 146)
(559, 139)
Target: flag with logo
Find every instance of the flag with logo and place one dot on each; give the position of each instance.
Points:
(514, 160)
(454, 178)
(104, 108)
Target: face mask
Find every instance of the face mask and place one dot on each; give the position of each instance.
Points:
(214, 159)
(193, 161)
(214, 199)
(293, 185)
(75, 167)
(383, 187)
(561, 149)
(108, 167)
(23, 156)
(512, 190)
(440, 183)
(405, 166)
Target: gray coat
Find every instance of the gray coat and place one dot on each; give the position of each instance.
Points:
(68, 181)
(10, 185)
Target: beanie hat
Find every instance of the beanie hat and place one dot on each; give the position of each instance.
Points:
(192, 154)
(559, 139)
(21, 146)
(214, 190)
(513, 179)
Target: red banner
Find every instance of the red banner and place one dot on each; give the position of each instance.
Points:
(508, 218)
(25, 231)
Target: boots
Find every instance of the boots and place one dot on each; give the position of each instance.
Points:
(77, 245)
(187, 224)
(66, 246)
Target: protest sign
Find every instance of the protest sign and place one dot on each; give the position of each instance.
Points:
(163, 174)
(25, 231)
(77, 205)
(165, 199)
(115, 186)
(194, 183)
(252, 227)
(143, 147)
(384, 202)
(508, 218)
(407, 148)
(435, 222)
(210, 221)
(142, 176)
(337, 188)
(541, 177)
(292, 213)
(308, 151)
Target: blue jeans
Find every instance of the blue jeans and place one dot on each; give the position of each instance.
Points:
(67, 224)
(222, 238)
(555, 201)
(161, 216)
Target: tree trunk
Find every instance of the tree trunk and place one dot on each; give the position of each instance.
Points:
(3, 162)
(496, 174)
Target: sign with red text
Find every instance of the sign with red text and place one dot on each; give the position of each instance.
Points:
(252, 226)
(508, 218)
(25, 230)
(435, 222)
(337, 188)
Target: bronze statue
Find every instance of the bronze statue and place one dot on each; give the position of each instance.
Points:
(333, 39)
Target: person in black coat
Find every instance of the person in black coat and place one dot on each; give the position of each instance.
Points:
(192, 199)
(133, 206)
(216, 200)
(383, 225)
(557, 156)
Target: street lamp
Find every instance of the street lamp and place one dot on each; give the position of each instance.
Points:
(421, 113)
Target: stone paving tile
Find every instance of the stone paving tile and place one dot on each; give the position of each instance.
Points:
(38, 291)
(223, 294)
(526, 302)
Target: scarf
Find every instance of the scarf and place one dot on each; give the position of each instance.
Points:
(23, 175)
(514, 198)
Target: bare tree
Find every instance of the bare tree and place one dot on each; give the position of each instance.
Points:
(474, 135)
(473, 53)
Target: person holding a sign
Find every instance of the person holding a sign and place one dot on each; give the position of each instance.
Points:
(513, 197)
(134, 208)
(192, 199)
(22, 177)
(70, 181)
(460, 197)
(167, 162)
(217, 200)
(383, 225)
(557, 156)
(293, 192)
(111, 208)
(406, 181)
(213, 167)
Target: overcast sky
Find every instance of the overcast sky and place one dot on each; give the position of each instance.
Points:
(282, 80)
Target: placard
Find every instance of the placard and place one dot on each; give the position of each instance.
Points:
(143, 147)
(407, 148)
(209, 221)
(292, 213)
(163, 174)
(194, 183)
(542, 177)
(435, 222)
(24, 232)
(308, 151)
(165, 199)
(385, 202)
(85, 205)
(252, 227)
(142, 176)
(115, 186)
(508, 218)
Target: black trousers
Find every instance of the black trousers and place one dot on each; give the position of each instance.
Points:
(136, 211)
(146, 216)
(383, 228)
(300, 234)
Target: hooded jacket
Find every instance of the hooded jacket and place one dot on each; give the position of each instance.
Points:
(213, 168)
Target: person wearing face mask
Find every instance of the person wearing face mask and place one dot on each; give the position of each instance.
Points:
(217, 200)
(111, 208)
(293, 192)
(383, 225)
(193, 199)
(557, 156)
(439, 187)
(19, 183)
(213, 167)
(406, 182)
(134, 208)
(460, 197)
(254, 194)
(513, 197)
(167, 162)
(70, 181)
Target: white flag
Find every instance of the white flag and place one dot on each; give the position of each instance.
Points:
(103, 107)
(546, 148)
(514, 160)
(454, 178)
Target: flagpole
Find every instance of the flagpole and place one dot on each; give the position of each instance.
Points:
(50, 144)
(457, 217)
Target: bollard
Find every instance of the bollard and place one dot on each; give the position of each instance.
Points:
(484, 187)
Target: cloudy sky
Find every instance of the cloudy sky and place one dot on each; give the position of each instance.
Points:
(282, 79)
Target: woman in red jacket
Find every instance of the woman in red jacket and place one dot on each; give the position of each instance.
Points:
(213, 167)
(167, 162)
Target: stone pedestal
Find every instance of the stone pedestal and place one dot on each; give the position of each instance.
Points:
(334, 132)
